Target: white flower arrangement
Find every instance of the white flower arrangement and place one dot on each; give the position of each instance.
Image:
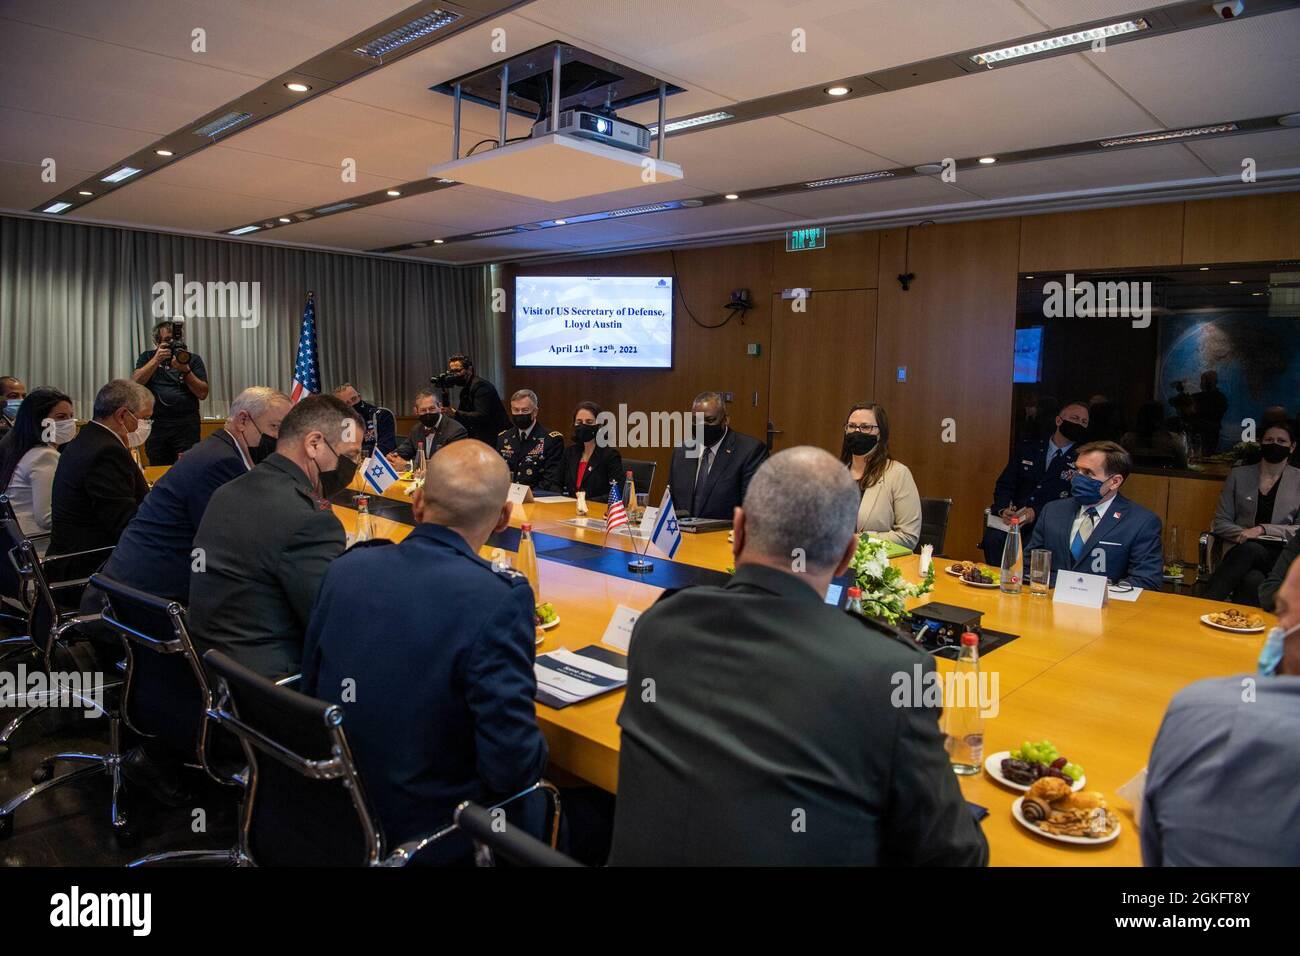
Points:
(884, 589)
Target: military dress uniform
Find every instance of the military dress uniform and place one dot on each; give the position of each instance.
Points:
(1029, 481)
(536, 460)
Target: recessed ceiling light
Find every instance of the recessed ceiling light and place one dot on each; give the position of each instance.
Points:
(838, 90)
(675, 125)
(988, 160)
(1059, 42)
(437, 242)
(732, 196)
(297, 87)
(417, 29)
(242, 230)
(126, 172)
(1028, 277)
(561, 222)
(222, 123)
(841, 180)
(394, 192)
(285, 219)
(1257, 293)
(57, 207)
(84, 192)
(1204, 269)
(1234, 282)
(164, 152)
(1164, 135)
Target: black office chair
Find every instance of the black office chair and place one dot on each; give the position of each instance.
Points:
(14, 601)
(643, 473)
(305, 803)
(934, 524)
(493, 837)
(53, 615)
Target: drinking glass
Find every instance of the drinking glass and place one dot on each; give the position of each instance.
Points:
(1040, 571)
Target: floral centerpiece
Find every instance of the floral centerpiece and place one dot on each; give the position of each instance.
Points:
(884, 589)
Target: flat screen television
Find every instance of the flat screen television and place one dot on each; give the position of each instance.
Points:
(619, 322)
(1029, 355)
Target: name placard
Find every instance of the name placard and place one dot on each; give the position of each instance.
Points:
(618, 633)
(519, 494)
(1084, 590)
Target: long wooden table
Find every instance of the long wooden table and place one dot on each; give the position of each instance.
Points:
(1094, 682)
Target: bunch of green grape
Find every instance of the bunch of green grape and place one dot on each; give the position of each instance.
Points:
(1044, 752)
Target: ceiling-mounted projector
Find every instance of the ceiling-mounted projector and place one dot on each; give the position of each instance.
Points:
(578, 145)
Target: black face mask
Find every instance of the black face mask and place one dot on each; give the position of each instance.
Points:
(265, 446)
(584, 433)
(430, 420)
(711, 434)
(332, 482)
(860, 443)
(1073, 431)
(522, 422)
(1274, 453)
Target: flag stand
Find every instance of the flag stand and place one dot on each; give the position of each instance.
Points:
(639, 564)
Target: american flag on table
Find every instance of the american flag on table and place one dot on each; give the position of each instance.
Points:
(306, 370)
(615, 513)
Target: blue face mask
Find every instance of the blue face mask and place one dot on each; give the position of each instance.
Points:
(1086, 490)
(1270, 655)
(11, 408)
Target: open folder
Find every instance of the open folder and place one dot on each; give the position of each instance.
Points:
(566, 677)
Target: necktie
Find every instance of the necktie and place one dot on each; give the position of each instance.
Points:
(1083, 534)
(1052, 459)
(701, 476)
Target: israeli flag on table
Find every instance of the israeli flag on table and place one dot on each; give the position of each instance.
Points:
(379, 473)
(667, 536)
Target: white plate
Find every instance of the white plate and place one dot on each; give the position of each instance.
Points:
(993, 767)
(1061, 838)
(1205, 619)
(550, 624)
(991, 584)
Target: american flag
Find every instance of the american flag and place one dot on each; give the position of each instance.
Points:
(306, 370)
(615, 513)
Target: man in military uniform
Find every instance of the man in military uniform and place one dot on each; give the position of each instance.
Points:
(440, 704)
(380, 422)
(1038, 472)
(534, 453)
(810, 726)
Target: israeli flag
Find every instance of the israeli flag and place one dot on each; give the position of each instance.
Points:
(667, 536)
(379, 473)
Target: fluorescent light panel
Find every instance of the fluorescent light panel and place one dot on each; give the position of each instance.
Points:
(126, 172)
(1169, 134)
(840, 180)
(57, 207)
(1059, 42)
(222, 123)
(675, 125)
(418, 28)
(243, 230)
(337, 207)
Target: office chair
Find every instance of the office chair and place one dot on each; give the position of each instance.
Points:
(305, 802)
(934, 524)
(643, 473)
(493, 837)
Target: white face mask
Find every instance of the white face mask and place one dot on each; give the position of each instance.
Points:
(138, 437)
(65, 431)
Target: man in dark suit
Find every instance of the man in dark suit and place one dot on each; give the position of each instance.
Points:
(439, 706)
(533, 453)
(380, 422)
(1038, 472)
(434, 430)
(98, 485)
(709, 476)
(1097, 530)
(478, 407)
(762, 726)
(268, 537)
(156, 551)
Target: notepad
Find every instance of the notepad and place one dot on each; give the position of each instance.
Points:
(566, 677)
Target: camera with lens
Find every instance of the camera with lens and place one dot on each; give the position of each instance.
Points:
(445, 380)
(180, 352)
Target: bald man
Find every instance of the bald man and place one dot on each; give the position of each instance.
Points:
(438, 689)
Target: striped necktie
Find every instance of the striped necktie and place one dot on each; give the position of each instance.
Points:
(1084, 533)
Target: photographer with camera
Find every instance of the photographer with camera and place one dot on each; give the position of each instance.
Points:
(478, 407)
(179, 381)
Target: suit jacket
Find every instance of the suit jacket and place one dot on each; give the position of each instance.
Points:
(1128, 537)
(1240, 498)
(771, 702)
(738, 458)
(891, 508)
(480, 410)
(605, 465)
(1268, 589)
(443, 709)
(536, 461)
(154, 553)
(97, 488)
(445, 432)
(267, 541)
(381, 428)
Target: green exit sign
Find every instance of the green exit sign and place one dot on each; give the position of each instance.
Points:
(812, 237)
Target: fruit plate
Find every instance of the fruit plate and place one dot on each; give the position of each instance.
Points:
(993, 767)
(549, 624)
(1205, 619)
(979, 584)
(1060, 837)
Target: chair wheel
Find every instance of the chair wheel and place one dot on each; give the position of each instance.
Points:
(6, 827)
(124, 835)
(4, 752)
(42, 773)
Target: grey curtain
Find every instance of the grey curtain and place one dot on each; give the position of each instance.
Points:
(78, 303)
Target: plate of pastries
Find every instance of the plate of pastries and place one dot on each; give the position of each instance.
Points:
(974, 574)
(1239, 622)
(1053, 810)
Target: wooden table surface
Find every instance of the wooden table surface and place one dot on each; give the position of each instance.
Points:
(1094, 682)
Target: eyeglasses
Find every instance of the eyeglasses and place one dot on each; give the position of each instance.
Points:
(851, 427)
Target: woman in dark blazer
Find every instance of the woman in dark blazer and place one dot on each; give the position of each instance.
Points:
(589, 466)
(1259, 511)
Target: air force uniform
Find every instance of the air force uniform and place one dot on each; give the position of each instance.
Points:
(1038, 473)
(535, 457)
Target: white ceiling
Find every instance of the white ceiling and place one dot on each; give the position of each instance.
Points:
(87, 83)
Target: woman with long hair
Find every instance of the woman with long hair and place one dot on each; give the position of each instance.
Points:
(588, 465)
(891, 505)
(30, 455)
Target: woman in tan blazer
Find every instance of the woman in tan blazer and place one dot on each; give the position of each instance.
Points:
(891, 505)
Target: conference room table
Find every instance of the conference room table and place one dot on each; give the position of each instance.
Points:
(1096, 682)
